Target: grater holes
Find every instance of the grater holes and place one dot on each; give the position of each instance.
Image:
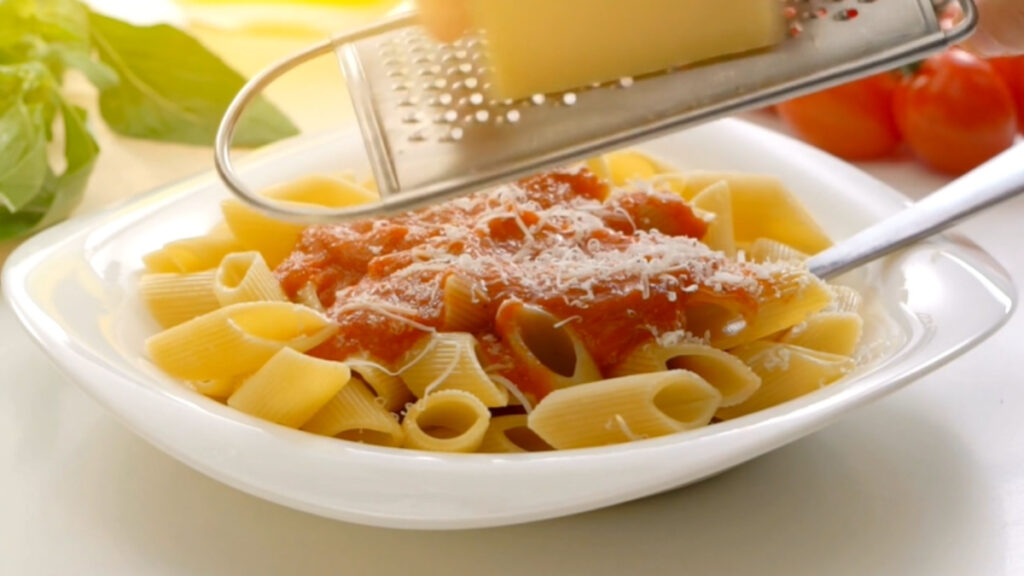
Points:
(800, 12)
(448, 82)
(439, 88)
(442, 88)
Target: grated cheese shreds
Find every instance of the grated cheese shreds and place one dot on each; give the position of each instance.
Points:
(561, 241)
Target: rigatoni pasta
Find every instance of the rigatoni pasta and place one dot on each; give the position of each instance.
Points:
(236, 340)
(733, 379)
(595, 305)
(173, 298)
(290, 388)
(448, 361)
(465, 305)
(390, 391)
(446, 421)
(762, 207)
(625, 409)
(831, 332)
(717, 200)
(511, 434)
(245, 277)
(546, 350)
(786, 372)
(275, 239)
(354, 414)
(192, 254)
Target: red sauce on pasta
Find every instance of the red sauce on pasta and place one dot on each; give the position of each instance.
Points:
(619, 267)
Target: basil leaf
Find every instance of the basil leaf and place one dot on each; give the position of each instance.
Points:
(173, 89)
(80, 152)
(59, 20)
(57, 195)
(101, 75)
(23, 159)
(65, 21)
(28, 218)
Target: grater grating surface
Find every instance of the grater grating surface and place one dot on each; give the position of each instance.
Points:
(432, 132)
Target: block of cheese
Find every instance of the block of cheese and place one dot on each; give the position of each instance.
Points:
(541, 46)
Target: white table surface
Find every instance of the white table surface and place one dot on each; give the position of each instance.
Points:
(929, 481)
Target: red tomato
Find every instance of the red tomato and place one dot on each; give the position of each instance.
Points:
(1011, 70)
(853, 121)
(955, 112)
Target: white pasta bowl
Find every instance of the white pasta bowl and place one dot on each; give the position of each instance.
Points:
(75, 289)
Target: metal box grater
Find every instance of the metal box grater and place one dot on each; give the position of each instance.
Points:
(432, 132)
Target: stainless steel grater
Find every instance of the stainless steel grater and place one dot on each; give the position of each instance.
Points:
(431, 131)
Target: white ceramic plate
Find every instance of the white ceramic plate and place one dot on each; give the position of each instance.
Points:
(74, 288)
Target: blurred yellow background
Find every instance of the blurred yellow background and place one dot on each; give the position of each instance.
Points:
(250, 35)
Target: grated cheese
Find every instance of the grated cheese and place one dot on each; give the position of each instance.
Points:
(548, 240)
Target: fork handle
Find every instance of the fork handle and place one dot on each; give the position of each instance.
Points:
(995, 181)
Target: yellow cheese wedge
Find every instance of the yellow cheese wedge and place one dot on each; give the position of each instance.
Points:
(540, 46)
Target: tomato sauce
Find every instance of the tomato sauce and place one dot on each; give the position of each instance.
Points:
(620, 266)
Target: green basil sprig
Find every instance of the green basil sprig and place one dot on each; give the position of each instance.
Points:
(154, 82)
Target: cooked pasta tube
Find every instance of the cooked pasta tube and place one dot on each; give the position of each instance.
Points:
(255, 230)
(786, 372)
(832, 332)
(668, 180)
(837, 329)
(391, 391)
(721, 235)
(448, 361)
(237, 339)
(727, 373)
(634, 165)
(530, 293)
(548, 351)
(845, 299)
(290, 388)
(354, 414)
(768, 250)
(446, 421)
(176, 298)
(625, 166)
(465, 305)
(275, 239)
(192, 254)
(625, 409)
(762, 207)
(245, 277)
(789, 303)
(511, 434)
(218, 389)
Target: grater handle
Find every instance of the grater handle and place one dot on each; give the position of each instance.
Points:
(995, 181)
(253, 88)
(966, 26)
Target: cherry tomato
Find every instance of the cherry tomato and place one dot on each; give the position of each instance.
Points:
(1011, 70)
(955, 112)
(853, 121)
